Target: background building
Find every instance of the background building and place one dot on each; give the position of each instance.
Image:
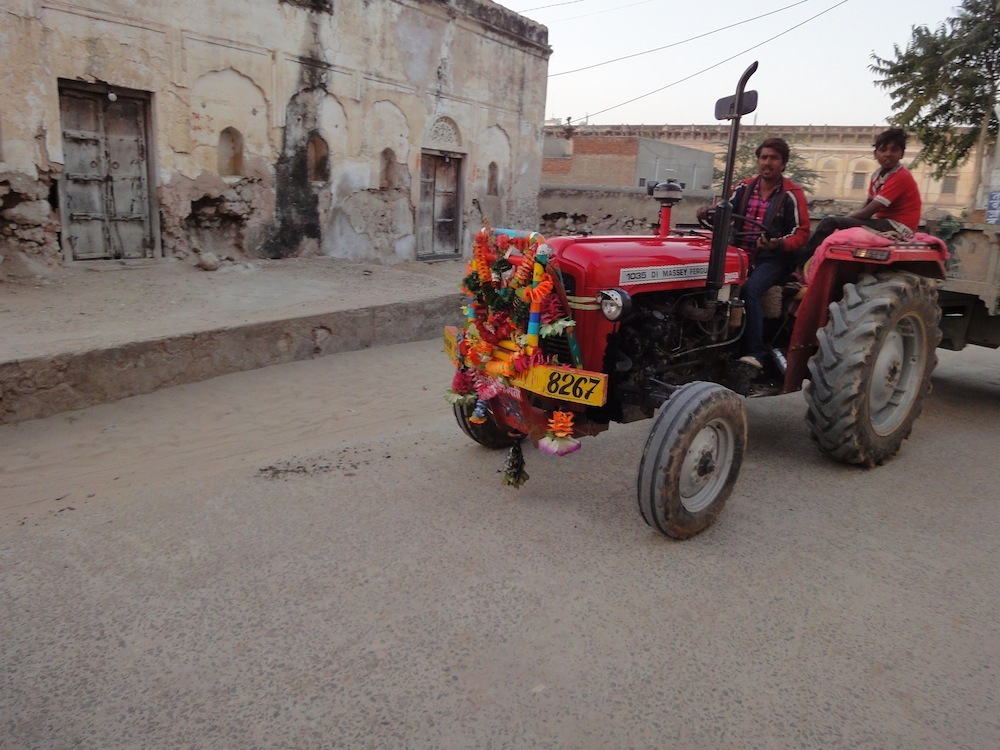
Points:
(842, 155)
(281, 127)
(573, 158)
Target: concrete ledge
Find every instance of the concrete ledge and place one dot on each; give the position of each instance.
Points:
(43, 386)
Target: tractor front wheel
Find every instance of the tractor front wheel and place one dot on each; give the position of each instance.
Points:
(692, 459)
(873, 368)
(488, 434)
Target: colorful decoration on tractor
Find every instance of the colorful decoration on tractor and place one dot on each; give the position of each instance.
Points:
(559, 440)
(512, 305)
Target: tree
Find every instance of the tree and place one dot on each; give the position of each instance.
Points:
(944, 86)
(746, 162)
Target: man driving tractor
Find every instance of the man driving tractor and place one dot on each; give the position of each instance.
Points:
(774, 230)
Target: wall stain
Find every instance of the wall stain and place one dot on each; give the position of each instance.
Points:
(297, 211)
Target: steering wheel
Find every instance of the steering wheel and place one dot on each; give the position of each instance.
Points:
(758, 228)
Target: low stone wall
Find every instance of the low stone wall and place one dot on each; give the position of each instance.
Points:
(571, 210)
(42, 386)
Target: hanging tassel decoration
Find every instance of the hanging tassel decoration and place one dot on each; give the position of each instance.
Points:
(514, 474)
(478, 415)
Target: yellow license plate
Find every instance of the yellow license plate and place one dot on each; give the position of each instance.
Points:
(561, 383)
(565, 384)
(450, 334)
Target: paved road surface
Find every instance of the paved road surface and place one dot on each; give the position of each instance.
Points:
(312, 555)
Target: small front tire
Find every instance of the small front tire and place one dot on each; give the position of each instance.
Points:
(488, 434)
(692, 459)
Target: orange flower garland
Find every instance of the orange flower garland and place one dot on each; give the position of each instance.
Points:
(559, 440)
(561, 423)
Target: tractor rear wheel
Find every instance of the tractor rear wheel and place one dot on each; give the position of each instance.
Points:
(692, 459)
(488, 434)
(873, 368)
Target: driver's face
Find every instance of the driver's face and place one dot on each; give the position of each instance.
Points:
(769, 164)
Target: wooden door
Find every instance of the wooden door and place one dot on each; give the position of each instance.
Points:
(104, 190)
(438, 224)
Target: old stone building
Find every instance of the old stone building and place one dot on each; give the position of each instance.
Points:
(627, 161)
(365, 129)
(842, 155)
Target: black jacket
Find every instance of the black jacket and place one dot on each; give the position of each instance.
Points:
(787, 218)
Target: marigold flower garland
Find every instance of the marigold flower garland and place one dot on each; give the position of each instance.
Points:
(559, 440)
(511, 306)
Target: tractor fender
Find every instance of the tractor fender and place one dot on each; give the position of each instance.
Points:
(827, 286)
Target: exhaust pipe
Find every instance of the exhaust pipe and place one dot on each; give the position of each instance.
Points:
(731, 108)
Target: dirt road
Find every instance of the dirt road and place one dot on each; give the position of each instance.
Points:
(312, 555)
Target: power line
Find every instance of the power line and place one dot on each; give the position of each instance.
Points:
(599, 12)
(677, 44)
(554, 5)
(710, 67)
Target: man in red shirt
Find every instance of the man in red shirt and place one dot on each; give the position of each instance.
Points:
(893, 198)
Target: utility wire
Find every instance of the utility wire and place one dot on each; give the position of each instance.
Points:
(599, 12)
(677, 44)
(554, 5)
(710, 67)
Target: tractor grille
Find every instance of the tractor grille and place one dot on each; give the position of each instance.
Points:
(569, 284)
(557, 347)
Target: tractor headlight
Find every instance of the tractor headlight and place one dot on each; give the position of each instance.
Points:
(615, 303)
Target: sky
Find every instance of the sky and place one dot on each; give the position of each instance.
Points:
(815, 72)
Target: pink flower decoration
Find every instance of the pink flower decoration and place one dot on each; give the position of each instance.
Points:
(556, 446)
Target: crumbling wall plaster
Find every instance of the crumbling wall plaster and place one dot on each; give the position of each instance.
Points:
(225, 216)
(28, 224)
(371, 76)
(374, 225)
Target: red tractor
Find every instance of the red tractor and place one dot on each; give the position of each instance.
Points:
(565, 336)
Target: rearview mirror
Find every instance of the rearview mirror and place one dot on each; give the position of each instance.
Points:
(725, 108)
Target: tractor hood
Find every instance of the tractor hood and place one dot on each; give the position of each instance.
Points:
(640, 264)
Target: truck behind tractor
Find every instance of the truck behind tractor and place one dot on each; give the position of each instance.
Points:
(564, 336)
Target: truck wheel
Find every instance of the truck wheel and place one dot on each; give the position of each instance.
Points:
(488, 434)
(873, 368)
(691, 459)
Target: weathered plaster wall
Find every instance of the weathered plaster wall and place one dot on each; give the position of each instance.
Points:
(363, 76)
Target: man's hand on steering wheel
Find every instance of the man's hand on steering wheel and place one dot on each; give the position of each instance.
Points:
(759, 231)
(768, 243)
(706, 217)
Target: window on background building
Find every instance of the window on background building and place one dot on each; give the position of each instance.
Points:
(949, 185)
(642, 182)
(231, 153)
(318, 158)
(859, 181)
(828, 178)
(493, 179)
(389, 172)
